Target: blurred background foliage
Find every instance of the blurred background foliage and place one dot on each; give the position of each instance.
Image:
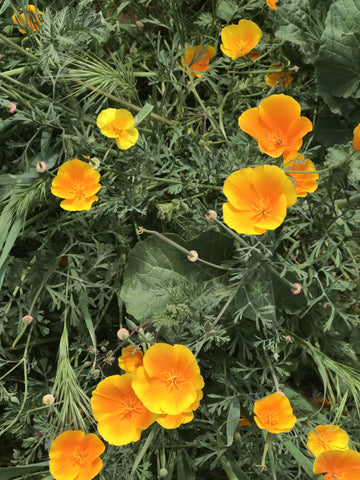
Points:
(83, 275)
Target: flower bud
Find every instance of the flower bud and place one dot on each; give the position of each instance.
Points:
(193, 256)
(122, 334)
(297, 288)
(27, 319)
(163, 472)
(210, 216)
(41, 167)
(48, 399)
(12, 107)
(94, 162)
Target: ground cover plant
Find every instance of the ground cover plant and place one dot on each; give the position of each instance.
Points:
(179, 232)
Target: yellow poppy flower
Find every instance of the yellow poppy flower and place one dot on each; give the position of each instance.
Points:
(274, 413)
(120, 413)
(258, 199)
(29, 18)
(276, 124)
(169, 380)
(338, 464)
(197, 58)
(239, 40)
(118, 124)
(327, 437)
(131, 359)
(77, 182)
(74, 455)
(304, 183)
(271, 4)
(278, 79)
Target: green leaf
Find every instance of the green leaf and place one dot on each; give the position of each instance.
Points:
(144, 112)
(337, 67)
(154, 265)
(11, 472)
(232, 421)
(226, 10)
(304, 462)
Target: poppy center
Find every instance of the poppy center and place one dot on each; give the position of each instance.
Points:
(79, 458)
(273, 417)
(78, 191)
(118, 127)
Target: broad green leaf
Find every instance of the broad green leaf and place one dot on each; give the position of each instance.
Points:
(226, 10)
(11, 472)
(144, 112)
(305, 463)
(154, 266)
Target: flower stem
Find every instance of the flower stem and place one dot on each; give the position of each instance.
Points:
(337, 165)
(140, 455)
(17, 47)
(266, 448)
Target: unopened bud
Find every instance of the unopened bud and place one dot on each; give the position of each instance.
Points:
(163, 472)
(12, 107)
(193, 256)
(94, 162)
(122, 334)
(27, 319)
(210, 216)
(41, 167)
(297, 288)
(48, 399)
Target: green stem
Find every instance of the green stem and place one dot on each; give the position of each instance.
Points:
(14, 72)
(17, 47)
(266, 448)
(226, 465)
(127, 104)
(144, 449)
(339, 164)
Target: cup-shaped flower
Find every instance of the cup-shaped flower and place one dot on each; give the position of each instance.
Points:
(258, 199)
(303, 182)
(77, 182)
(239, 40)
(274, 413)
(120, 413)
(170, 380)
(276, 125)
(197, 59)
(118, 124)
(174, 421)
(271, 4)
(356, 139)
(327, 437)
(278, 79)
(340, 464)
(131, 359)
(74, 455)
(30, 17)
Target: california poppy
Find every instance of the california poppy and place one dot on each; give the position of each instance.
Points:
(305, 182)
(131, 359)
(120, 414)
(169, 380)
(197, 59)
(356, 139)
(271, 4)
(274, 413)
(327, 437)
(118, 124)
(29, 18)
(258, 199)
(239, 40)
(338, 464)
(74, 455)
(276, 124)
(278, 79)
(77, 182)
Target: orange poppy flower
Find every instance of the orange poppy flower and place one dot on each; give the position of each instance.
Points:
(303, 182)
(174, 421)
(271, 4)
(337, 464)
(197, 58)
(356, 139)
(169, 381)
(244, 422)
(276, 125)
(274, 413)
(258, 199)
(120, 413)
(77, 182)
(131, 359)
(118, 124)
(74, 455)
(30, 18)
(278, 79)
(239, 40)
(327, 437)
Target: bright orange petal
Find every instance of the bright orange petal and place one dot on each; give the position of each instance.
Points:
(131, 359)
(197, 59)
(240, 221)
(174, 421)
(271, 4)
(238, 40)
(345, 464)
(327, 437)
(356, 139)
(274, 413)
(304, 182)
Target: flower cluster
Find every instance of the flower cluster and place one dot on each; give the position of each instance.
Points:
(164, 385)
(330, 445)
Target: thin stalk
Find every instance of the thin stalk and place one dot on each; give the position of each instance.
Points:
(143, 451)
(17, 47)
(266, 448)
